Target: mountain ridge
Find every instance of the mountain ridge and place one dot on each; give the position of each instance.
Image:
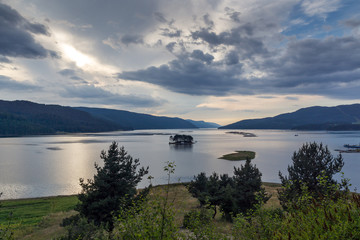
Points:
(312, 118)
(21, 118)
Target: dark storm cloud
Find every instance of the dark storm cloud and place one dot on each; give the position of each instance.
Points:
(132, 39)
(7, 83)
(190, 76)
(307, 66)
(247, 46)
(16, 40)
(309, 59)
(91, 94)
(198, 54)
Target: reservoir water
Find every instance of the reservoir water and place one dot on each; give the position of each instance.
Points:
(52, 165)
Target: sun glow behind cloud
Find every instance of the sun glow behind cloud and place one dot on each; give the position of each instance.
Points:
(76, 56)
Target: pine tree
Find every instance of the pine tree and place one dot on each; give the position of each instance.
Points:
(312, 164)
(113, 186)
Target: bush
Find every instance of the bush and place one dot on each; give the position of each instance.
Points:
(323, 220)
(146, 221)
(202, 216)
(261, 224)
(150, 219)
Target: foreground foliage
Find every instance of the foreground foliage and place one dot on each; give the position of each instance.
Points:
(113, 186)
(233, 195)
(312, 170)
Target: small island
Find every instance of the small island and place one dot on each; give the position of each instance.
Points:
(239, 155)
(245, 134)
(181, 139)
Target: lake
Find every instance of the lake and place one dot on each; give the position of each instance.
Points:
(52, 165)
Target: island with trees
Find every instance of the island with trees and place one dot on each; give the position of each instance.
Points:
(181, 139)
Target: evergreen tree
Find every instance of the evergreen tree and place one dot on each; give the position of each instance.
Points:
(313, 169)
(245, 191)
(198, 188)
(113, 186)
(248, 190)
(235, 194)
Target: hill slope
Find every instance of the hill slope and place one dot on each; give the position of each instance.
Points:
(343, 117)
(28, 118)
(137, 120)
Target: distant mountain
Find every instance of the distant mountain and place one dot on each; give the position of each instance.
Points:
(28, 118)
(343, 117)
(202, 124)
(137, 120)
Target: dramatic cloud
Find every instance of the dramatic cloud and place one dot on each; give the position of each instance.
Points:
(16, 40)
(137, 53)
(310, 58)
(190, 76)
(238, 37)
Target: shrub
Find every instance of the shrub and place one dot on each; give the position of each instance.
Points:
(202, 216)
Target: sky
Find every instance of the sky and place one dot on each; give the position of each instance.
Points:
(215, 60)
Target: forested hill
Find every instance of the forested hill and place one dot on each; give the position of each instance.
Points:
(19, 118)
(343, 117)
(28, 118)
(137, 120)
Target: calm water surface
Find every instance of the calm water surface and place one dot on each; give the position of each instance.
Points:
(52, 165)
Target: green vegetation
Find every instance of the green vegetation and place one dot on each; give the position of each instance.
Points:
(312, 171)
(239, 155)
(27, 215)
(233, 195)
(113, 187)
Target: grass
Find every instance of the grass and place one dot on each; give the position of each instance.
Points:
(40, 218)
(239, 155)
(24, 216)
